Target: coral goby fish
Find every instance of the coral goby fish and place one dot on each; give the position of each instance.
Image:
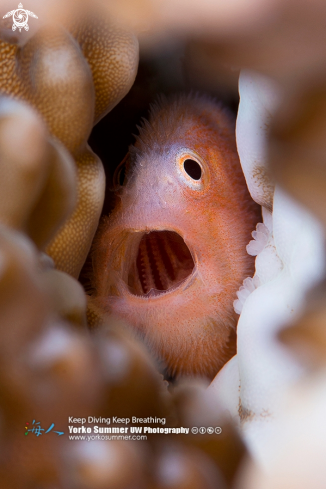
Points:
(171, 256)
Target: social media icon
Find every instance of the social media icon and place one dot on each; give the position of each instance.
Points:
(218, 430)
(202, 430)
(194, 430)
(210, 430)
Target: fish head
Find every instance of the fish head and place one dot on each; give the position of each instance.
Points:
(171, 256)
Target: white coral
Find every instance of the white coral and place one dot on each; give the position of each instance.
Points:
(260, 240)
(249, 285)
(289, 249)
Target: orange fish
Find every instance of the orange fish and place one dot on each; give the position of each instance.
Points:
(171, 256)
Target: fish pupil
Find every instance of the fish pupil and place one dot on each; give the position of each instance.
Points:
(193, 169)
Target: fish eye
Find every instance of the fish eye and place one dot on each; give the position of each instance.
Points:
(119, 177)
(192, 168)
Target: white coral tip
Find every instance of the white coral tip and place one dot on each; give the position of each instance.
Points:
(249, 285)
(237, 305)
(260, 240)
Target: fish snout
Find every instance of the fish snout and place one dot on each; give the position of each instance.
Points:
(152, 198)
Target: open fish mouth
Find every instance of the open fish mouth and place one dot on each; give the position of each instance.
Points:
(159, 262)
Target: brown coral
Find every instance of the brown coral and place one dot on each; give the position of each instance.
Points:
(72, 85)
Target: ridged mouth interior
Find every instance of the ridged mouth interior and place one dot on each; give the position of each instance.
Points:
(161, 262)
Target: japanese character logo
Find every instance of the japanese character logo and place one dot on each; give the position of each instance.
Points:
(38, 430)
(20, 18)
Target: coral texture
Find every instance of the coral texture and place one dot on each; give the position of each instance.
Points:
(73, 74)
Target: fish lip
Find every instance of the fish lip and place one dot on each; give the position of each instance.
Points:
(134, 236)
